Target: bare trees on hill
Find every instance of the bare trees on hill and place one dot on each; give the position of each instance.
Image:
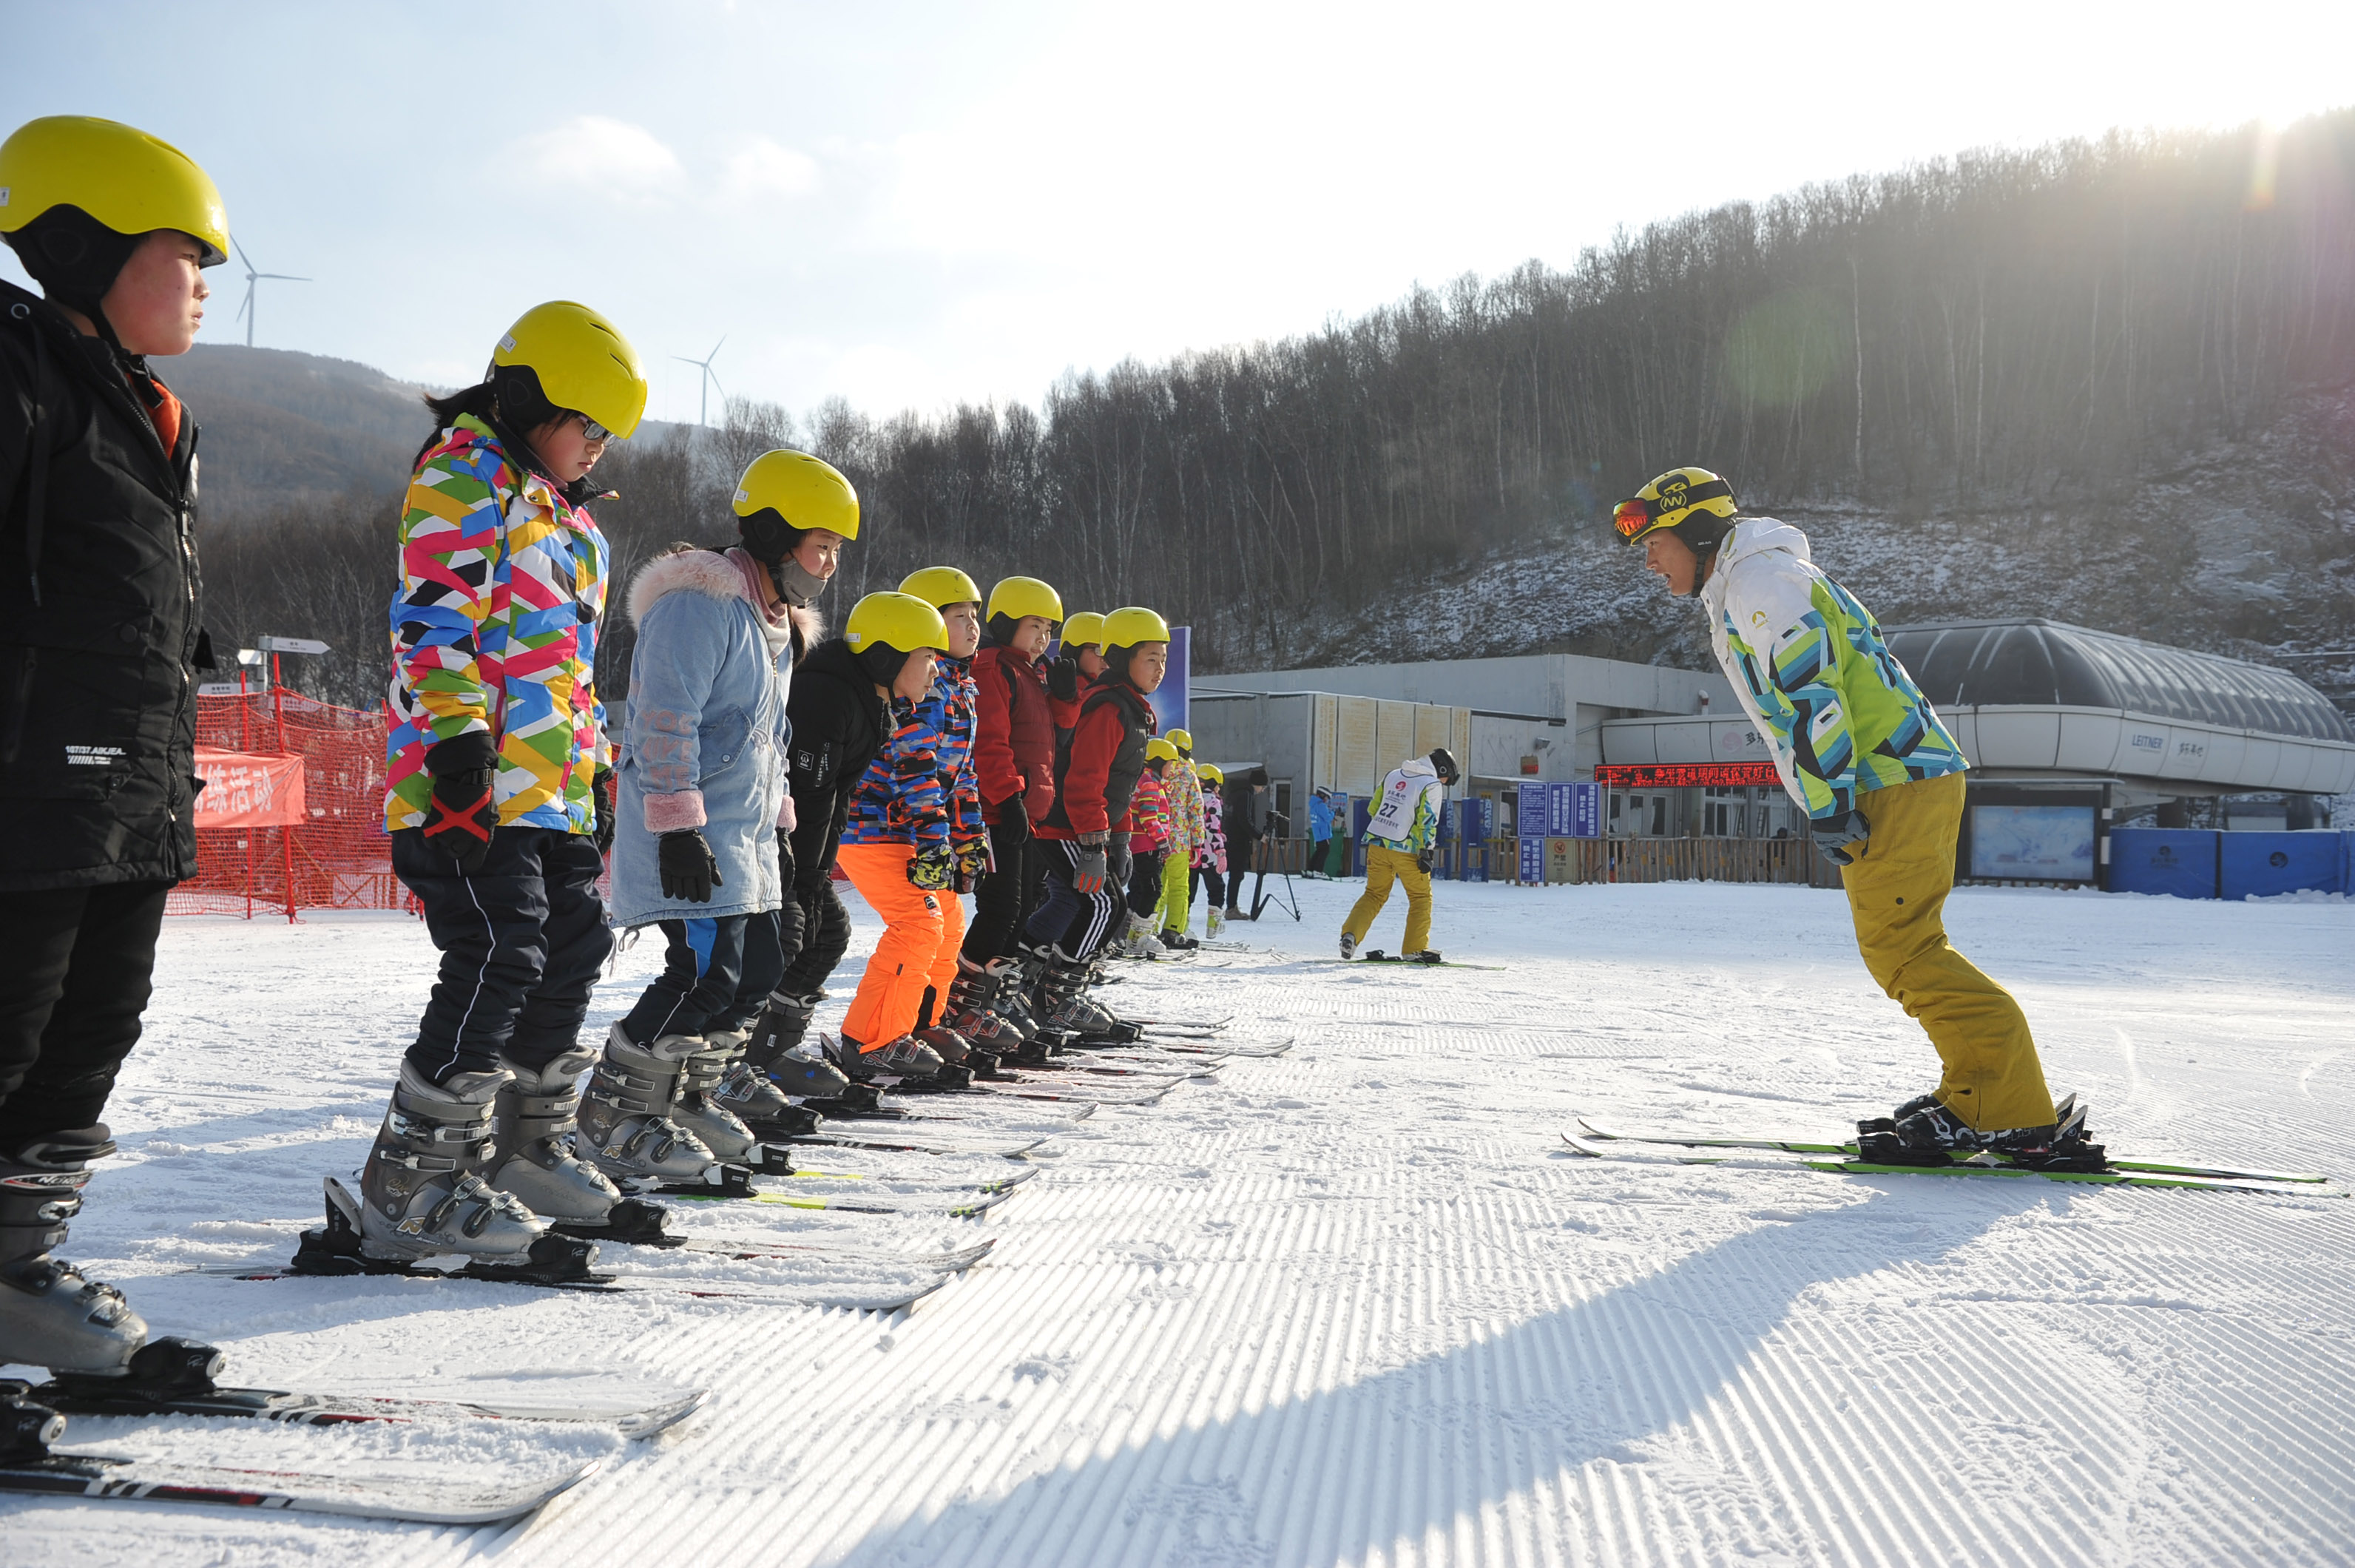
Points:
(2000, 332)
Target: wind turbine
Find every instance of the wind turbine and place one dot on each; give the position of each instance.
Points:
(709, 379)
(252, 281)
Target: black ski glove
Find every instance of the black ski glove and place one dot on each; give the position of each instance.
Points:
(603, 792)
(1424, 858)
(933, 869)
(1014, 820)
(1842, 837)
(786, 870)
(689, 869)
(465, 809)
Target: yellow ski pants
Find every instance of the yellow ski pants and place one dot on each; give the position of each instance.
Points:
(1897, 892)
(1177, 907)
(1384, 867)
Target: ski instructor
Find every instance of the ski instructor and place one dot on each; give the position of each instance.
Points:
(98, 640)
(1857, 746)
(1401, 843)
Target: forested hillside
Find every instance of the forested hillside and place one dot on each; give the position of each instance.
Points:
(2102, 380)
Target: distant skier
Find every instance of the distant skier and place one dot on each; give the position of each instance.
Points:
(100, 640)
(1321, 810)
(1401, 840)
(1210, 859)
(1860, 747)
(1148, 843)
(702, 849)
(1188, 833)
(498, 791)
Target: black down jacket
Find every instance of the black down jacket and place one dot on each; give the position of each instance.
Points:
(839, 725)
(99, 635)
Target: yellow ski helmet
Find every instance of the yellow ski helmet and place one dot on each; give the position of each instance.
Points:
(1184, 740)
(1158, 749)
(885, 628)
(1668, 500)
(782, 495)
(1085, 630)
(941, 586)
(122, 179)
(1015, 597)
(577, 361)
(1125, 628)
(1212, 773)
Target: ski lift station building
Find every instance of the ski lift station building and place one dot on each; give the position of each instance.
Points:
(2050, 715)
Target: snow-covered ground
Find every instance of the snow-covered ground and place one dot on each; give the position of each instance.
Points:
(1358, 1304)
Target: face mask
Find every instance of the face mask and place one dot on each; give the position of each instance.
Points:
(795, 584)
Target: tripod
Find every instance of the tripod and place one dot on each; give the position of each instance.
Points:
(1261, 898)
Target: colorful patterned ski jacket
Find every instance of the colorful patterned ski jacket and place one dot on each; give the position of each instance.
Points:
(1187, 834)
(1213, 852)
(1838, 712)
(495, 630)
(1148, 815)
(919, 789)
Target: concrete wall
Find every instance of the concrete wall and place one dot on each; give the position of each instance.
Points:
(1579, 691)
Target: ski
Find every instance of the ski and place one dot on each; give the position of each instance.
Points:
(1088, 1094)
(176, 1379)
(101, 1477)
(1213, 1025)
(922, 1141)
(1379, 957)
(1846, 1167)
(1223, 1049)
(1012, 1178)
(979, 1203)
(890, 1299)
(1798, 1145)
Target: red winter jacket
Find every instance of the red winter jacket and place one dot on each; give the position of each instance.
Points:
(1100, 764)
(1014, 743)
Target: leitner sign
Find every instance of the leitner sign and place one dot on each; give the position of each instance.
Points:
(1678, 775)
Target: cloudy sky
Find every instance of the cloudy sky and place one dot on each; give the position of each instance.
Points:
(910, 204)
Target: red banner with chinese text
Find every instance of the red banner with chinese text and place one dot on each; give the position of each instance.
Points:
(246, 790)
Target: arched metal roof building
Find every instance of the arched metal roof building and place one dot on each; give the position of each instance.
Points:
(2038, 698)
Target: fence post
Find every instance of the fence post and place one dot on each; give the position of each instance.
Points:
(285, 834)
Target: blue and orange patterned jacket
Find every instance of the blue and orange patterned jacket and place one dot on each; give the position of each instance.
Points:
(495, 629)
(921, 788)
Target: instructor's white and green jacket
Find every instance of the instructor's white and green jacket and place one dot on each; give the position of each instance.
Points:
(1840, 714)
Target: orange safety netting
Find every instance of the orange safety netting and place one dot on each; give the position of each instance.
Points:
(338, 857)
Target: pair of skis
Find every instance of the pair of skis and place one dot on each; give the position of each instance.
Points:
(1599, 1142)
(173, 1376)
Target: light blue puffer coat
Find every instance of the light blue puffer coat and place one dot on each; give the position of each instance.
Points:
(704, 745)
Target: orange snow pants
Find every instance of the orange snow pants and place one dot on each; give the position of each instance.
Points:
(922, 932)
(1897, 894)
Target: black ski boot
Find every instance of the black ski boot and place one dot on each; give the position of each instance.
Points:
(50, 1315)
(1924, 1132)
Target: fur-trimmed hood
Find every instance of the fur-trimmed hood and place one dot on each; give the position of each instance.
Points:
(714, 573)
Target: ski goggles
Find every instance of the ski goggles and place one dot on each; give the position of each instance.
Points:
(1637, 516)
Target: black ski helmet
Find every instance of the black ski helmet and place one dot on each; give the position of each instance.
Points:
(1444, 760)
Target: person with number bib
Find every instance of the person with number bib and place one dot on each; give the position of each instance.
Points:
(1402, 842)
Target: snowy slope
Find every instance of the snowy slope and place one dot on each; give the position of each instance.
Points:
(1355, 1304)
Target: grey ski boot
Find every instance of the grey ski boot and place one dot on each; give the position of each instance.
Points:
(906, 1059)
(531, 1155)
(626, 1130)
(419, 1196)
(50, 1316)
(702, 1111)
(971, 1010)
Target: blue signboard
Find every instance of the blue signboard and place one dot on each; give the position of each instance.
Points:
(1585, 811)
(1533, 857)
(1530, 811)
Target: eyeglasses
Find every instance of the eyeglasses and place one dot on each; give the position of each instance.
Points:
(591, 429)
